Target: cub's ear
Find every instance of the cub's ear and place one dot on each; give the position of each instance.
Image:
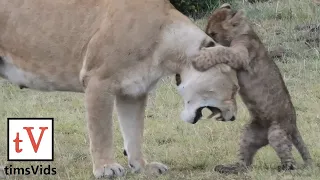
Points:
(226, 5)
(237, 17)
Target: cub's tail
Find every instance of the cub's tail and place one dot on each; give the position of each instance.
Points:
(302, 148)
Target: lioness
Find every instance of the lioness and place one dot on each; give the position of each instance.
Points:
(109, 50)
(273, 117)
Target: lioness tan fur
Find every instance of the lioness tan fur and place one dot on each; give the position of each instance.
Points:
(109, 50)
(273, 116)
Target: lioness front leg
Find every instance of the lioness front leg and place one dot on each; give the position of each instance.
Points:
(131, 116)
(236, 57)
(99, 105)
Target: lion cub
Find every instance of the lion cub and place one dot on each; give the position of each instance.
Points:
(262, 89)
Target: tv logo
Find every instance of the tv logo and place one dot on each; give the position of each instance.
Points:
(30, 139)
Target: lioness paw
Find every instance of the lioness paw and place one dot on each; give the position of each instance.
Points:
(156, 168)
(109, 171)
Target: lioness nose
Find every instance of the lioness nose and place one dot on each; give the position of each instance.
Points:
(233, 118)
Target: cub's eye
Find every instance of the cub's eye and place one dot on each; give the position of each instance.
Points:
(213, 34)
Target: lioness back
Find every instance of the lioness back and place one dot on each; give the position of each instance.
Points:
(48, 40)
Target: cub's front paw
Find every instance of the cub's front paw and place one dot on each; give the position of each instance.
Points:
(230, 168)
(199, 65)
(109, 171)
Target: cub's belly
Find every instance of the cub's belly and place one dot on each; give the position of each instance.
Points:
(39, 77)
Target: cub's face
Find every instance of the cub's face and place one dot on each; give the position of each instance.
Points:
(225, 24)
(214, 89)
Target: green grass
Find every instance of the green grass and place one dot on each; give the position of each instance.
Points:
(191, 151)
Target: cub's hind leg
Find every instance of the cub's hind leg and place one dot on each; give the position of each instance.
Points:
(99, 106)
(131, 113)
(281, 143)
(253, 138)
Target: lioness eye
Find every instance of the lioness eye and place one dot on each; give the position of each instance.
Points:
(178, 79)
(210, 44)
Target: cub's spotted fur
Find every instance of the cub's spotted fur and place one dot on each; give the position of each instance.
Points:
(273, 117)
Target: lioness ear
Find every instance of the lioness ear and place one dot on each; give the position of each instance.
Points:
(237, 17)
(226, 5)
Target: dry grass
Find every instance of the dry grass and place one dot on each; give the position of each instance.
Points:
(191, 151)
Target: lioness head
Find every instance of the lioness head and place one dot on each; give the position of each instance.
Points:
(225, 24)
(214, 89)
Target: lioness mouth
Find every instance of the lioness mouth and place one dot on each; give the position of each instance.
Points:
(214, 111)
